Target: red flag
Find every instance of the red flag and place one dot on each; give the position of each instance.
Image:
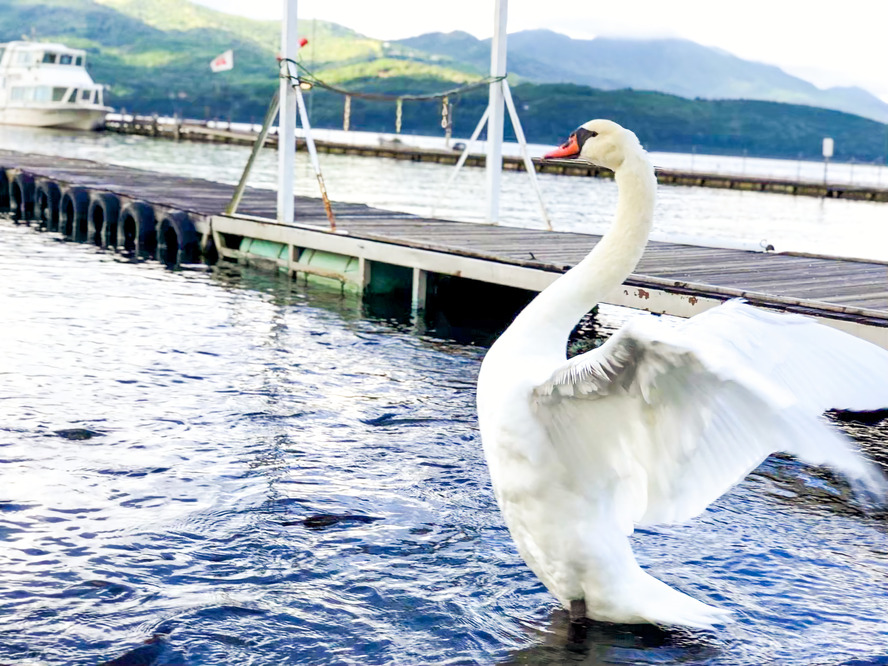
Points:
(223, 62)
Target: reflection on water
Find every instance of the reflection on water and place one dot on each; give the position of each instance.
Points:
(229, 467)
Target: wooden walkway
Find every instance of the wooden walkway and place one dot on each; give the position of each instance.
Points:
(854, 291)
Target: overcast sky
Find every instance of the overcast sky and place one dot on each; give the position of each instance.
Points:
(843, 42)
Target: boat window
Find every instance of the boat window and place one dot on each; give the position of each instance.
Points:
(58, 94)
(85, 95)
(2, 51)
(30, 93)
(65, 59)
(49, 58)
(74, 93)
(78, 61)
(23, 58)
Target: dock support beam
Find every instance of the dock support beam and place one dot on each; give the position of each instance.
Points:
(419, 291)
(364, 272)
(287, 118)
(495, 106)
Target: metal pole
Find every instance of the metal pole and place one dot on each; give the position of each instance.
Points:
(495, 106)
(231, 209)
(528, 163)
(313, 156)
(461, 160)
(287, 118)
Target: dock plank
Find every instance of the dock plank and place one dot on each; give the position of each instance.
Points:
(834, 282)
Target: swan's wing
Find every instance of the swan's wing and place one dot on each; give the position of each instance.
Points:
(823, 367)
(662, 421)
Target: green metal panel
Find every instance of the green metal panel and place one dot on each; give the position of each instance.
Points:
(330, 262)
(263, 248)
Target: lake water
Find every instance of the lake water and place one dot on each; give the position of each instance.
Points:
(224, 466)
(748, 220)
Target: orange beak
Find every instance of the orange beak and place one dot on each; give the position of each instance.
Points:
(569, 148)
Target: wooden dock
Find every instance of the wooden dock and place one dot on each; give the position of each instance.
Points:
(179, 220)
(192, 130)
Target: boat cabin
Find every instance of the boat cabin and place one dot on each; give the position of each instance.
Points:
(37, 73)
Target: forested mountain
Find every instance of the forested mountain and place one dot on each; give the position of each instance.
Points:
(154, 56)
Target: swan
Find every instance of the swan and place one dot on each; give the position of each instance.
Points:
(659, 421)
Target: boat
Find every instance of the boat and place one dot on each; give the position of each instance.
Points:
(47, 85)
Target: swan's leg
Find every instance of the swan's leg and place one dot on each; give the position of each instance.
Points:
(576, 630)
(578, 610)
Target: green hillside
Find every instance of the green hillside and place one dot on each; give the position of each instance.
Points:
(155, 57)
(662, 122)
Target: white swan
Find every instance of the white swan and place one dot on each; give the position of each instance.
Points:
(656, 423)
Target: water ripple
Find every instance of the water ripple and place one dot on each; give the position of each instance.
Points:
(222, 467)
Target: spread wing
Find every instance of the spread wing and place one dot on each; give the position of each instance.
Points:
(664, 420)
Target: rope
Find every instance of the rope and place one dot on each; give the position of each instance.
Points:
(308, 77)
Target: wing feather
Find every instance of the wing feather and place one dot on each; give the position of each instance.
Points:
(659, 421)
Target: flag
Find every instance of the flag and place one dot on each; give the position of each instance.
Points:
(223, 62)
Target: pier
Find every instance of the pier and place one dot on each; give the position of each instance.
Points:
(192, 130)
(180, 221)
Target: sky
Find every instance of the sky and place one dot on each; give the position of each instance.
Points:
(836, 43)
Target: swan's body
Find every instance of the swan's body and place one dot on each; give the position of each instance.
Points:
(656, 423)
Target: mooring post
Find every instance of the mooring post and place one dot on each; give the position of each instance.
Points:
(287, 117)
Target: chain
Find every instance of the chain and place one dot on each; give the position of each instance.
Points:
(444, 96)
(308, 77)
(447, 119)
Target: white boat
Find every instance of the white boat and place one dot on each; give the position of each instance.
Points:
(47, 85)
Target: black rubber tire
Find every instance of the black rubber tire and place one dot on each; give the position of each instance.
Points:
(177, 240)
(210, 253)
(21, 197)
(137, 230)
(47, 197)
(4, 191)
(73, 209)
(103, 218)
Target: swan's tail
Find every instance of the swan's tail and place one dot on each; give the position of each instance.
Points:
(646, 599)
(663, 605)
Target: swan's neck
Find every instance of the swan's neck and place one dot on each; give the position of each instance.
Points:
(549, 319)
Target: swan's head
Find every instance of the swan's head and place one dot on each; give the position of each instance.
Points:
(601, 142)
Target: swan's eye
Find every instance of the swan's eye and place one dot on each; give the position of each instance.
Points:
(582, 134)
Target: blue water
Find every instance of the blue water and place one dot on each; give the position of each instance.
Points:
(229, 467)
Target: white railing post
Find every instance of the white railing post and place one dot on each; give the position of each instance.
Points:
(287, 117)
(522, 142)
(494, 160)
(462, 160)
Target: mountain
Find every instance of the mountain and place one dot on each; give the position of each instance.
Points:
(155, 57)
(675, 66)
